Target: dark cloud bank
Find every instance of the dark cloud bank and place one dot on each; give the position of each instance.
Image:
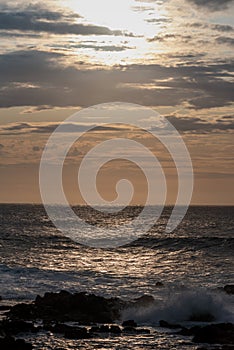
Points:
(37, 19)
(36, 78)
(182, 124)
(213, 5)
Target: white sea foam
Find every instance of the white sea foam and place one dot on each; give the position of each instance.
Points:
(184, 307)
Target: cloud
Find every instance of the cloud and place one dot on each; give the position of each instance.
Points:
(222, 27)
(152, 1)
(182, 124)
(225, 40)
(37, 19)
(142, 8)
(227, 117)
(170, 36)
(2, 149)
(36, 148)
(6, 34)
(216, 27)
(198, 125)
(213, 5)
(39, 78)
(108, 48)
(25, 128)
(162, 37)
(158, 20)
(17, 127)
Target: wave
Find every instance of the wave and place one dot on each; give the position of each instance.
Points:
(184, 307)
(194, 243)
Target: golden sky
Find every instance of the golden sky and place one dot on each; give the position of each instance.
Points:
(174, 56)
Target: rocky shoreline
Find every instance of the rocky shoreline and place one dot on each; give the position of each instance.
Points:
(92, 315)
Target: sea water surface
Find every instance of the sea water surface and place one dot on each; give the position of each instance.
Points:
(193, 264)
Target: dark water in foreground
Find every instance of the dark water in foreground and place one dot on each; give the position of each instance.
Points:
(192, 263)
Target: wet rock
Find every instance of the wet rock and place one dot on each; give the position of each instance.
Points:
(48, 326)
(222, 333)
(60, 328)
(22, 311)
(12, 327)
(166, 324)
(76, 333)
(129, 329)
(129, 323)
(143, 331)
(188, 331)
(101, 329)
(94, 329)
(104, 329)
(64, 306)
(229, 289)
(10, 343)
(79, 307)
(115, 329)
(69, 332)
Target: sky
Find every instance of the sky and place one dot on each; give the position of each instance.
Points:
(174, 56)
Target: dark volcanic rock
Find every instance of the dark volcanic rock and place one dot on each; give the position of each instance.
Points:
(229, 289)
(222, 333)
(76, 333)
(94, 329)
(189, 331)
(9, 343)
(166, 324)
(115, 329)
(22, 311)
(69, 332)
(129, 323)
(13, 327)
(104, 329)
(60, 328)
(129, 329)
(143, 331)
(64, 306)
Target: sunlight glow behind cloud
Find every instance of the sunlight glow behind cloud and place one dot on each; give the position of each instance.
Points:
(175, 56)
(114, 14)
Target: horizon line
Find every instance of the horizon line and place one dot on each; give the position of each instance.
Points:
(132, 205)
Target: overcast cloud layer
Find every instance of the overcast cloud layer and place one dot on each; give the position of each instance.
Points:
(175, 56)
(40, 19)
(181, 56)
(33, 78)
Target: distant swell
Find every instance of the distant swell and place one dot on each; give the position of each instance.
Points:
(173, 243)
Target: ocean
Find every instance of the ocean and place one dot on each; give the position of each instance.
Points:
(185, 271)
